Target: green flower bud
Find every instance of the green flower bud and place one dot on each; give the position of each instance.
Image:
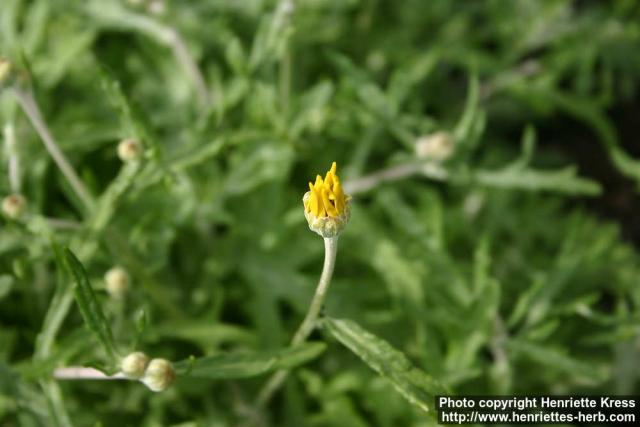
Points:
(14, 205)
(134, 365)
(159, 375)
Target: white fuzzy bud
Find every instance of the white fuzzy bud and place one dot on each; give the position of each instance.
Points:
(134, 365)
(117, 282)
(438, 146)
(159, 375)
(14, 205)
(157, 7)
(129, 149)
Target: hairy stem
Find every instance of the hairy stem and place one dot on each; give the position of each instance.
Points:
(395, 173)
(184, 58)
(12, 155)
(310, 320)
(30, 107)
(82, 373)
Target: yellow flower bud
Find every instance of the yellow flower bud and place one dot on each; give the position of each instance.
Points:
(159, 375)
(14, 205)
(129, 149)
(117, 282)
(134, 365)
(326, 207)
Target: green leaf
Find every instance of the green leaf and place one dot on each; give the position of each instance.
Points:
(563, 180)
(87, 301)
(244, 365)
(6, 283)
(414, 384)
(465, 124)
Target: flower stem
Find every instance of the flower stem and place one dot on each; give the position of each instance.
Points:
(188, 63)
(309, 322)
(12, 155)
(30, 107)
(82, 373)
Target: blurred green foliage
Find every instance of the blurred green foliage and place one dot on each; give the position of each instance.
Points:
(487, 269)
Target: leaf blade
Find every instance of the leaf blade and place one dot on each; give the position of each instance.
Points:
(88, 303)
(412, 383)
(230, 365)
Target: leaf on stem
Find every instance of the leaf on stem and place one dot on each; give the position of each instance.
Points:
(413, 383)
(230, 365)
(88, 303)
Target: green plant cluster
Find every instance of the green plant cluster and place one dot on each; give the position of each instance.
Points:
(476, 266)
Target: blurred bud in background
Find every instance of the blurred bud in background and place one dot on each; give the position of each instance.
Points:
(129, 149)
(14, 205)
(117, 282)
(438, 146)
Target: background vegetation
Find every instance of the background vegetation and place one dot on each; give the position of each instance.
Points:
(510, 266)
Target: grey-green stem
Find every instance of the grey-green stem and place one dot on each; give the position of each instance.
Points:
(30, 107)
(83, 373)
(308, 324)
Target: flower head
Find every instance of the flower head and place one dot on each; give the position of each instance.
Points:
(159, 375)
(134, 365)
(117, 282)
(326, 207)
(14, 205)
(130, 149)
(437, 147)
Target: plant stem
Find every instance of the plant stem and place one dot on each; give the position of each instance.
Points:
(184, 58)
(82, 373)
(394, 173)
(12, 155)
(30, 107)
(116, 16)
(309, 322)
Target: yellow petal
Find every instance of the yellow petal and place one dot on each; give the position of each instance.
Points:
(331, 210)
(315, 205)
(307, 200)
(340, 199)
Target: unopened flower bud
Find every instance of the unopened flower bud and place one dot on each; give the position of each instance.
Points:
(326, 207)
(129, 149)
(5, 70)
(157, 7)
(14, 205)
(159, 375)
(117, 282)
(134, 365)
(438, 146)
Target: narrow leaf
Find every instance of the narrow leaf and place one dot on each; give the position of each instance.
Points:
(88, 303)
(414, 384)
(244, 365)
